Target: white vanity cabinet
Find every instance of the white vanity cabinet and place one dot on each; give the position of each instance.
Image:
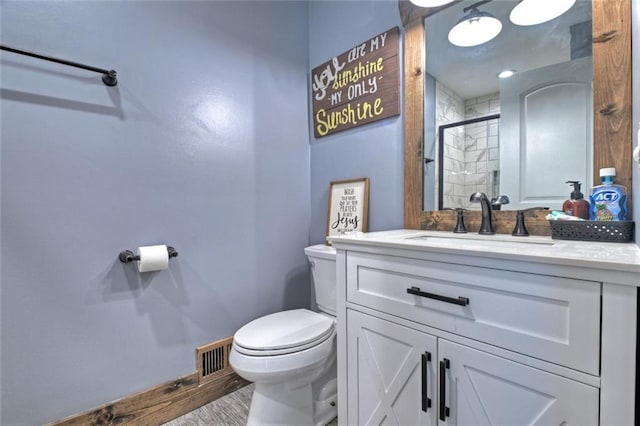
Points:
(398, 375)
(456, 335)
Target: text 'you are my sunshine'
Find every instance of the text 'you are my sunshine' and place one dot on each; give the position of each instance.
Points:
(347, 78)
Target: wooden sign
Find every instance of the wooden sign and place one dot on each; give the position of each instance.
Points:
(357, 87)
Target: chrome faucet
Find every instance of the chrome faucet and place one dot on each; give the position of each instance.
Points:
(486, 227)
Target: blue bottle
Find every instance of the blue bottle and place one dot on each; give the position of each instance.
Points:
(608, 201)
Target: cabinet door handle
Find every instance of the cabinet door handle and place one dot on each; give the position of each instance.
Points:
(462, 301)
(426, 401)
(444, 410)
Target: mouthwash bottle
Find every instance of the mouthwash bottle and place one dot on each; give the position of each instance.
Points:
(608, 201)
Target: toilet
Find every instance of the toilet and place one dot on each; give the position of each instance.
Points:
(291, 355)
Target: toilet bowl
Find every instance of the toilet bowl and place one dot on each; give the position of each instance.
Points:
(291, 356)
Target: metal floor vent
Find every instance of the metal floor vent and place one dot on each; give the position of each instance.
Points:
(212, 359)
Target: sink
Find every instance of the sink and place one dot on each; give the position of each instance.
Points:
(477, 240)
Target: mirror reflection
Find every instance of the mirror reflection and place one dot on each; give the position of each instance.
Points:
(468, 162)
(543, 136)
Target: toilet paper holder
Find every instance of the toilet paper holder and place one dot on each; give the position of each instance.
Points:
(127, 256)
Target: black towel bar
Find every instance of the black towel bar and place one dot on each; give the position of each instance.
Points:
(108, 76)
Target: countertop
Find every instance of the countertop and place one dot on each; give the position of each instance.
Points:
(622, 257)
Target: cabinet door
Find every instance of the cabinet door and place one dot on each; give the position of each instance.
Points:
(391, 374)
(483, 389)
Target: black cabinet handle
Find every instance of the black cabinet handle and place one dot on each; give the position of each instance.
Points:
(444, 410)
(426, 401)
(462, 301)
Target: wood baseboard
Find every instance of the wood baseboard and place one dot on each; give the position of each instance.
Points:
(158, 405)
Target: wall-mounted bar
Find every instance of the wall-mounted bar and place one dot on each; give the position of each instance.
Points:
(108, 76)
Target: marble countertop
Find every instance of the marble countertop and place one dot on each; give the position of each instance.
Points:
(612, 256)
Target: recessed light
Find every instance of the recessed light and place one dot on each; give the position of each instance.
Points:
(506, 73)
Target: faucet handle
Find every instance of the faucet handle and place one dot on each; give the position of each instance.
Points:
(520, 230)
(460, 228)
(531, 209)
(499, 201)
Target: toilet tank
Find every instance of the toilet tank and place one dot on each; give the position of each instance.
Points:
(323, 271)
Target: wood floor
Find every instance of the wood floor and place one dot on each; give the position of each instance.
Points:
(230, 410)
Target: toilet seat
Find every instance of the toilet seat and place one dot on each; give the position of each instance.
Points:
(283, 333)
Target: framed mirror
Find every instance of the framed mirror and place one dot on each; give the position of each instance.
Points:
(611, 127)
(540, 75)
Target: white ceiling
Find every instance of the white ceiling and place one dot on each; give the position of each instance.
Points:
(471, 71)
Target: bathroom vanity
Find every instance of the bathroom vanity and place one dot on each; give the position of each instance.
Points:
(439, 328)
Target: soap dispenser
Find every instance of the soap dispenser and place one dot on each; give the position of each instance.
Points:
(576, 205)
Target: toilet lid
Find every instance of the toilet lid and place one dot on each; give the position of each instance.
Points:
(284, 330)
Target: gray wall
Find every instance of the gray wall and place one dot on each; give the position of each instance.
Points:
(202, 145)
(374, 150)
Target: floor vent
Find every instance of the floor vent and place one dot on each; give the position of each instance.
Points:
(212, 359)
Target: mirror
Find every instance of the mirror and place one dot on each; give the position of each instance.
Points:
(611, 108)
(546, 129)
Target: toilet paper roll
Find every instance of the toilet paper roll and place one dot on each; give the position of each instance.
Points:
(153, 258)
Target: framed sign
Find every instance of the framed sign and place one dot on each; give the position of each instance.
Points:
(348, 205)
(357, 87)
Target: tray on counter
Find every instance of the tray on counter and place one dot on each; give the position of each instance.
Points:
(592, 230)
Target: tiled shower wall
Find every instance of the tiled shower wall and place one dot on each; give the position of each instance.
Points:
(471, 154)
(482, 155)
(450, 108)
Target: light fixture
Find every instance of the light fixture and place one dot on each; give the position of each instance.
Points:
(430, 3)
(475, 27)
(506, 73)
(533, 12)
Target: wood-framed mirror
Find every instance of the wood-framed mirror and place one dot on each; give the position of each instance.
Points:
(612, 103)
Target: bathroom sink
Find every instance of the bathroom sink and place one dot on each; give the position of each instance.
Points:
(477, 240)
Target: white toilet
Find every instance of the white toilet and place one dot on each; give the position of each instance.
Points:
(291, 355)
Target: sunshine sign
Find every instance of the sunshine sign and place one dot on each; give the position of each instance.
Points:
(360, 86)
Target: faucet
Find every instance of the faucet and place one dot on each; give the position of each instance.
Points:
(486, 228)
(498, 201)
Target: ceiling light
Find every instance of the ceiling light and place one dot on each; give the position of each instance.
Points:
(533, 12)
(474, 28)
(430, 3)
(506, 73)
